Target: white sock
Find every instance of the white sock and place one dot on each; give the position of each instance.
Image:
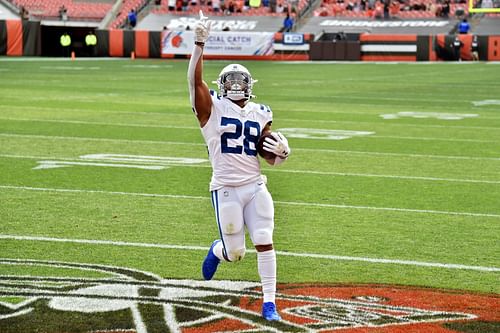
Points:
(217, 250)
(266, 262)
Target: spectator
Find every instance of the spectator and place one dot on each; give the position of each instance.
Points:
(464, 27)
(487, 4)
(63, 13)
(279, 7)
(445, 9)
(386, 9)
(288, 23)
(178, 5)
(171, 5)
(132, 19)
(216, 6)
(23, 13)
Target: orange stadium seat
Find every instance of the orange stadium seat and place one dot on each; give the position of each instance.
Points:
(76, 10)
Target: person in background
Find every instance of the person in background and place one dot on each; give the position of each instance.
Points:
(464, 27)
(288, 23)
(132, 19)
(63, 13)
(24, 14)
(65, 41)
(474, 48)
(91, 43)
(457, 46)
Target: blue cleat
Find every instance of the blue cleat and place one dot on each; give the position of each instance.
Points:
(210, 263)
(269, 312)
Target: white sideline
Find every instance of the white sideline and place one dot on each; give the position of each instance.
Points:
(281, 253)
(291, 203)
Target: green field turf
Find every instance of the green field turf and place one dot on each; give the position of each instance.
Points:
(413, 191)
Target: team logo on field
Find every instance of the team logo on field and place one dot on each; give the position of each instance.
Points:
(116, 299)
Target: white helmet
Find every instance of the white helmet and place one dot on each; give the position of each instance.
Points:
(235, 82)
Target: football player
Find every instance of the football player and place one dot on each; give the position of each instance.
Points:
(231, 125)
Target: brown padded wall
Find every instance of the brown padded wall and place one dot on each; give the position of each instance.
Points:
(128, 42)
(32, 38)
(155, 44)
(102, 43)
(3, 38)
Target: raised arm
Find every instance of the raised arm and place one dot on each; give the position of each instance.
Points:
(198, 89)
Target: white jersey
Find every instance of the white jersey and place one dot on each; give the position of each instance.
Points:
(231, 134)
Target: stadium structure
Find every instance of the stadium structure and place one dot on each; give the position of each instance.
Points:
(360, 30)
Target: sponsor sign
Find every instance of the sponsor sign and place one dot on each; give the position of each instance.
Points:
(293, 38)
(182, 23)
(384, 24)
(119, 299)
(220, 43)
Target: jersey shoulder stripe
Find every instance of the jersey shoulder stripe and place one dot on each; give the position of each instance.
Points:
(214, 94)
(265, 108)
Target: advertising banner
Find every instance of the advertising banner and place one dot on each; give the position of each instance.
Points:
(220, 43)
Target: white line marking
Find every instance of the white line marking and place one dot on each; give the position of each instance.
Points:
(422, 138)
(63, 164)
(279, 170)
(350, 174)
(291, 254)
(335, 151)
(195, 128)
(76, 138)
(100, 123)
(292, 203)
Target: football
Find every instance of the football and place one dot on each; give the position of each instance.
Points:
(260, 146)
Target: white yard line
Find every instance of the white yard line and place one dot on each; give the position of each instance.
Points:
(281, 253)
(196, 128)
(280, 170)
(290, 203)
(81, 122)
(335, 151)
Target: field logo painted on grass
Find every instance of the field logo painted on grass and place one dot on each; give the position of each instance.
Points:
(322, 134)
(486, 102)
(425, 115)
(123, 299)
(121, 161)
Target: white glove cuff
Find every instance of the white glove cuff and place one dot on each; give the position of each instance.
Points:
(278, 160)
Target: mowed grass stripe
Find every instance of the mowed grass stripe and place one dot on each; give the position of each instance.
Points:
(319, 150)
(340, 162)
(197, 128)
(340, 96)
(291, 203)
(279, 170)
(280, 253)
(384, 145)
(178, 108)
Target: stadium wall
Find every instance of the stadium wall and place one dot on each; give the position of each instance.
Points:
(24, 38)
(20, 38)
